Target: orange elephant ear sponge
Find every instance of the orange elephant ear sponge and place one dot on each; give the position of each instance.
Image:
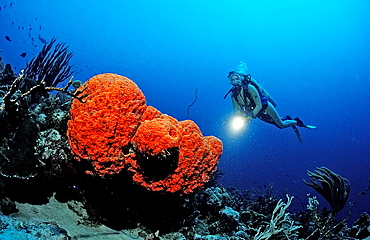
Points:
(115, 130)
(190, 158)
(101, 127)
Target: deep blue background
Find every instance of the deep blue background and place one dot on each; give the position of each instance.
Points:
(312, 56)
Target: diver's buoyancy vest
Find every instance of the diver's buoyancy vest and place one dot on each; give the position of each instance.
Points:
(244, 99)
(248, 80)
(235, 90)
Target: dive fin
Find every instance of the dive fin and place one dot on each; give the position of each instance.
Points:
(301, 124)
(297, 133)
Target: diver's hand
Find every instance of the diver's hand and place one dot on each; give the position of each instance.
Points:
(249, 115)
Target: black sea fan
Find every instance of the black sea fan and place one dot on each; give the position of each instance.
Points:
(333, 187)
(50, 67)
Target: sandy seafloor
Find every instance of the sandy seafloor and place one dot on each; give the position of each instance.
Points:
(67, 216)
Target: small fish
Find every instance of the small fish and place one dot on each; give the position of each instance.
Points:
(12, 23)
(40, 27)
(42, 39)
(11, 4)
(23, 54)
(8, 38)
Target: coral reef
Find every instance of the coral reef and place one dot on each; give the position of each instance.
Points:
(219, 213)
(256, 215)
(21, 113)
(115, 130)
(39, 173)
(281, 224)
(361, 228)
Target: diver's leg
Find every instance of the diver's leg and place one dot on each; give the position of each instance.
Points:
(270, 110)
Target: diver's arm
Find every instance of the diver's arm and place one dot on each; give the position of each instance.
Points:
(255, 98)
(236, 106)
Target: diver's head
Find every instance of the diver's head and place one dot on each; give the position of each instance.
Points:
(235, 78)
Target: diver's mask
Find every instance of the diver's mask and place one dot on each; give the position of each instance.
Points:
(235, 79)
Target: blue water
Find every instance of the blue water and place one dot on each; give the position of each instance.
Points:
(312, 56)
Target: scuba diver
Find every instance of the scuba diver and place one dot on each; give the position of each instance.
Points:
(250, 100)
